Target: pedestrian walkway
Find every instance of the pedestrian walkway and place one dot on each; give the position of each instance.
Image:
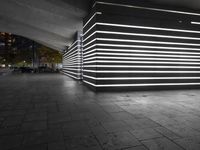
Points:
(54, 112)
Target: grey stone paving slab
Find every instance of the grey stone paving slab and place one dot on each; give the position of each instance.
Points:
(41, 116)
(144, 134)
(118, 140)
(34, 126)
(137, 148)
(189, 143)
(33, 147)
(52, 111)
(161, 144)
(141, 123)
(41, 137)
(11, 141)
(56, 146)
(83, 142)
(76, 128)
(169, 134)
(122, 116)
(116, 126)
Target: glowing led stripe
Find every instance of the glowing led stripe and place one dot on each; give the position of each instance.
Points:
(89, 43)
(140, 51)
(71, 53)
(136, 66)
(89, 83)
(73, 44)
(137, 71)
(89, 29)
(140, 78)
(149, 8)
(77, 47)
(196, 23)
(142, 27)
(73, 59)
(89, 36)
(74, 48)
(97, 13)
(147, 27)
(154, 47)
(90, 51)
(72, 66)
(77, 69)
(140, 62)
(148, 35)
(70, 75)
(73, 63)
(89, 55)
(140, 58)
(89, 47)
(132, 54)
(72, 72)
(137, 85)
(74, 56)
(149, 42)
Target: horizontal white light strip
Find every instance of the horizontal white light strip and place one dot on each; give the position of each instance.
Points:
(140, 78)
(89, 43)
(140, 62)
(89, 29)
(70, 75)
(72, 56)
(149, 8)
(137, 71)
(154, 47)
(71, 53)
(139, 58)
(90, 51)
(147, 27)
(84, 39)
(132, 54)
(136, 66)
(140, 51)
(73, 44)
(196, 23)
(89, 47)
(142, 34)
(74, 48)
(77, 47)
(66, 68)
(97, 13)
(78, 63)
(137, 85)
(73, 59)
(148, 35)
(144, 41)
(71, 72)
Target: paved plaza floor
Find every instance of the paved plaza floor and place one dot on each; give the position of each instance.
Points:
(54, 112)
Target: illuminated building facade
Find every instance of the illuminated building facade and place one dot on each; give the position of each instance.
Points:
(131, 46)
(72, 58)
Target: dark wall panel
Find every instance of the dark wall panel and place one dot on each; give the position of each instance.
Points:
(127, 46)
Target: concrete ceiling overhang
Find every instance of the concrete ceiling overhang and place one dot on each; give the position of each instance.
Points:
(49, 22)
(54, 22)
